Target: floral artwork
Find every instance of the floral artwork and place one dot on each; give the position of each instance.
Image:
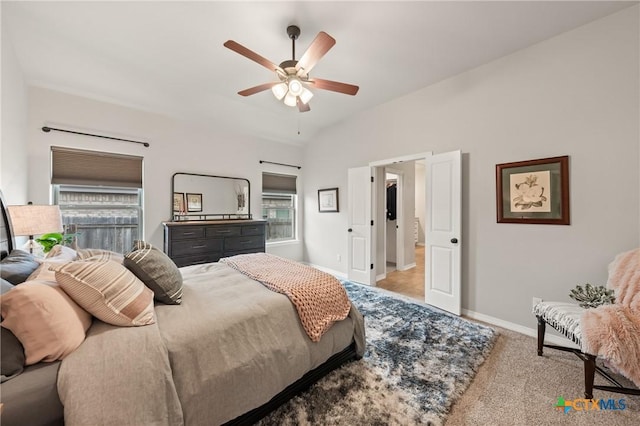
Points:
(533, 191)
(530, 191)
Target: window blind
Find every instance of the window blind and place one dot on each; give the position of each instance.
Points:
(79, 167)
(279, 184)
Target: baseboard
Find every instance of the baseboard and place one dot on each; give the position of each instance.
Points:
(337, 274)
(407, 267)
(548, 338)
(381, 277)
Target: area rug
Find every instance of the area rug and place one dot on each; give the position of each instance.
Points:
(418, 361)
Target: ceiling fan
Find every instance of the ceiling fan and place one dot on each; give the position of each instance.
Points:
(293, 75)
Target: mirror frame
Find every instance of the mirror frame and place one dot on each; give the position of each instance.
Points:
(210, 216)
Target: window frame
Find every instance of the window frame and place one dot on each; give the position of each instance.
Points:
(295, 218)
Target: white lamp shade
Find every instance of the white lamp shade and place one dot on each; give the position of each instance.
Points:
(290, 99)
(306, 95)
(295, 86)
(279, 90)
(35, 219)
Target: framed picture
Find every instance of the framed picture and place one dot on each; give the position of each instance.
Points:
(328, 200)
(194, 202)
(535, 191)
(178, 202)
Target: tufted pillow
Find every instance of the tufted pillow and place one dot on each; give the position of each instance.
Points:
(107, 290)
(157, 271)
(99, 255)
(56, 256)
(44, 319)
(11, 349)
(17, 266)
(60, 253)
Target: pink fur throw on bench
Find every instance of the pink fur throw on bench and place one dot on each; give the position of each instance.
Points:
(612, 331)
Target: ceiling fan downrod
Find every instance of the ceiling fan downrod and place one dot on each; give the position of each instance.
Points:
(294, 32)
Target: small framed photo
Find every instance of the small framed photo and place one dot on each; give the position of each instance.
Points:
(328, 200)
(534, 191)
(194, 202)
(178, 203)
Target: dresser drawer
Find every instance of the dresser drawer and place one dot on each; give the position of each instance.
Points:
(252, 230)
(196, 259)
(185, 247)
(219, 231)
(243, 243)
(186, 232)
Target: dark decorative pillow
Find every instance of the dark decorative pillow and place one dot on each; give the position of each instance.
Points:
(157, 271)
(12, 352)
(17, 267)
(12, 355)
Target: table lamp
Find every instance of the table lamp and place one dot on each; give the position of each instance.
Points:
(31, 219)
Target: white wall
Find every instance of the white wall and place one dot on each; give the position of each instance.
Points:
(13, 142)
(176, 146)
(576, 94)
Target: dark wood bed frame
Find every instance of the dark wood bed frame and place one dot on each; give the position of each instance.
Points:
(7, 243)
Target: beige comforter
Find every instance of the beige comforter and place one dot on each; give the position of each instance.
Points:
(229, 347)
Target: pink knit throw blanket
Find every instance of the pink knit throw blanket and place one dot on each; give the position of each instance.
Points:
(613, 331)
(318, 297)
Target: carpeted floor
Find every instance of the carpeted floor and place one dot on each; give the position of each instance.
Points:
(418, 361)
(516, 387)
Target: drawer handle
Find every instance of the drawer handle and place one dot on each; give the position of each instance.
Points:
(200, 246)
(224, 231)
(246, 242)
(199, 262)
(188, 233)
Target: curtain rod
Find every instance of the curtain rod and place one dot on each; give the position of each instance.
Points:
(48, 129)
(280, 164)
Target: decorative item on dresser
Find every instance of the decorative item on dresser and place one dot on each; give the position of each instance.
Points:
(193, 242)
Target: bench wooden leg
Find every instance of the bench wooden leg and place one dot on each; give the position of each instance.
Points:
(541, 330)
(589, 374)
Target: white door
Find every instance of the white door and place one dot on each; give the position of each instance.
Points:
(442, 234)
(359, 226)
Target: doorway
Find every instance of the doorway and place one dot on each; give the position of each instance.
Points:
(403, 194)
(443, 207)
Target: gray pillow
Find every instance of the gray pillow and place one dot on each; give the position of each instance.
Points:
(12, 353)
(17, 267)
(157, 271)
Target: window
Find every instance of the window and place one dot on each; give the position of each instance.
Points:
(279, 201)
(100, 197)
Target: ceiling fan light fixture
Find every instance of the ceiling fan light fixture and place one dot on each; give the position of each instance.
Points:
(306, 95)
(279, 90)
(290, 99)
(295, 86)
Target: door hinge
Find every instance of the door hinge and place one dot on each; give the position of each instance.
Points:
(371, 179)
(372, 223)
(372, 266)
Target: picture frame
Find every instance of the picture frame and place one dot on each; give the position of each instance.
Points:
(194, 202)
(328, 200)
(179, 203)
(534, 191)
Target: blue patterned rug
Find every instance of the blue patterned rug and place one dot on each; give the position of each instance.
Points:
(418, 361)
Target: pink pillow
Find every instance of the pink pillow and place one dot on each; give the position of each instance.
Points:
(46, 321)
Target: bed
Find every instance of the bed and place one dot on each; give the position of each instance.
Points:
(231, 352)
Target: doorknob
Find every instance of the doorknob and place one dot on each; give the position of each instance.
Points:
(350, 230)
(454, 240)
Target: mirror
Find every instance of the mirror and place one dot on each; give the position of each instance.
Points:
(208, 197)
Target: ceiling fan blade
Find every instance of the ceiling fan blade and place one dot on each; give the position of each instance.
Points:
(318, 48)
(257, 89)
(250, 54)
(302, 107)
(335, 86)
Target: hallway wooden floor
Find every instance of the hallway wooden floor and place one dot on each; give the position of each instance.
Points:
(409, 283)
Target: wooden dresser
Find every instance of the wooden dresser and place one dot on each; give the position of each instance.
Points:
(190, 243)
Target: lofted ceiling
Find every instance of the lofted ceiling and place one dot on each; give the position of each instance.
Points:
(168, 57)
